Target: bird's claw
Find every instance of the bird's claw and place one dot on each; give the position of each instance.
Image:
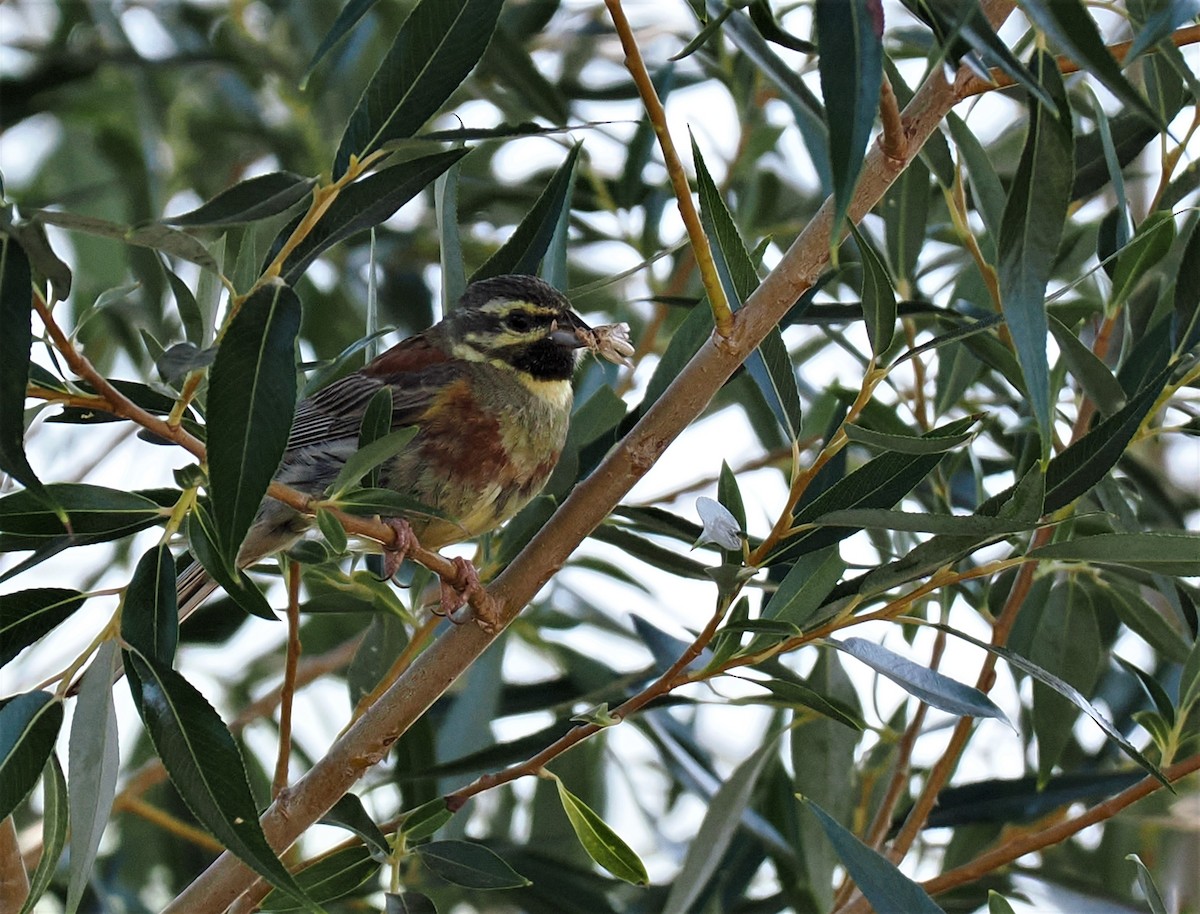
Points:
(456, 594)
(395, 552)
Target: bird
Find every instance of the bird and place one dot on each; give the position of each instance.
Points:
(489, 388)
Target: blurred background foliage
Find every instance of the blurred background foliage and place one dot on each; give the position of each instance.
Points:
(137, 112)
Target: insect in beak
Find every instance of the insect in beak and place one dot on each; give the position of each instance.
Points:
(569, 334)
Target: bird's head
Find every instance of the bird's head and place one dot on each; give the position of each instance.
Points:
(519, 321)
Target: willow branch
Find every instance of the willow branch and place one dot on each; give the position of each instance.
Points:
(369, 738)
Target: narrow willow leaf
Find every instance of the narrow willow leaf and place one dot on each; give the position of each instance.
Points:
(93, 761)
(247, 201)
(987, 189)
(1069, 692)
(531, 239)
(1189, 680)
(1147, 622)
(149, 613)
(370, 456)
(26, 615)
(769, 365)
(850, 38)
(1158, 26)
(202, 539)
(797, 694)
(54, 832)
(887, 889)
(1029, 237)
(1187, 295)
(905, 444)
(251, 402)
(1073, 29)
(972, 525)
(470, 865)
(1146, 882)
(1021, 800)
(205, 766)
(158, 237)
(1161, 553)
(721, 821)
(426, 819)
(1092, 374)
(348, 812)
(327, 879)
(29, 725)
(363, 205)
(351, 13)
(1148, 246)
(601, 843)
(998, 904)
(650, 552)
(454, 270)
(437, 46)
(878, 296)
(16, 342)
(930, 686)
(764, 21)
(333, 531)
(805, 587)
(408, 903)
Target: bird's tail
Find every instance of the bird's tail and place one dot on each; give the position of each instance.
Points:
(193, 586)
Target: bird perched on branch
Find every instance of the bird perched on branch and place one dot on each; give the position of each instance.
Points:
(489, 388)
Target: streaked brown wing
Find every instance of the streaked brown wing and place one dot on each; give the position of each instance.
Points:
(416, 369)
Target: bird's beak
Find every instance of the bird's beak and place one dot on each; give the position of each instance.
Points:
(565, 331)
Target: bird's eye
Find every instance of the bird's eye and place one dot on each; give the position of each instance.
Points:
(519, 321)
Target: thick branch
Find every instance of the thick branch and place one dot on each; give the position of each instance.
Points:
(369, 738)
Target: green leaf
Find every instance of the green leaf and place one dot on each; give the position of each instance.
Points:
(721, 821)
(987, 189)
(149, 613)
(155, 236)
(351, 13)
(408, 903)
(887, 889)
(26, 615)
(1092, 374)
(1149, 245)
(202, 538)
(251, 402)
(1187, 294)
(1068, 23)
(205, 765)
(935, 689)
(653, 554)
(878, 296)
(470, 865)
(29, 725)
(327, 879)
(1029, 237)
(601, 843)
(1158, 26)
(769, 365)
(1161, 553)
(348, 812)
(93, 761)
(247, 201)
(364, 204)
(849, 35)
(16, 304)
(1189, 680)
(370, 456)
(454, 271)
(437, 46)
(54, 831)
(805, 587)
(426, 819)
(1068, 691)
(998, 904)
(905, 444)
(797, 694)
(1153, 898)
(531, 239)
(1146, 621)
(384, 502)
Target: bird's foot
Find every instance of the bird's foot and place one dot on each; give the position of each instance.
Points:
(456, 598)
(395, 552)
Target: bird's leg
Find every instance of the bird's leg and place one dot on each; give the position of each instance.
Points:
(456, 594)
(395, 552)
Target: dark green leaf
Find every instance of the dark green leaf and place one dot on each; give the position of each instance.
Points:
(987, 189)
(204, 765)
(426, 819)
(54, 831)
(651, 553)
(527, 245)
(1162, 23)
(385, 502)
(454, 270)
(26, 615)
(149, 613)
(96, 514)
(348, 812)
(930, 686)
(1092, 374)
(973, 525)
(353, 11)
(1147, 622)
(437, 46)
(1029, 237)
(470, 865)
(329, 878)
(601, 843)
(202, 538)
(1150, 244)
(251, 401)
(364, 204)
(805, 587)
(905, 444)
(849, 35)
(29, 725)
(998, 904)
(887, 889)
(799, 695)
(408, 903)
(1161, 553)
(1146, 882)
(764, 21)
(158, 237)
(1187, 295)
(16, 304)
(370, 456)
(878, 297)
(247, 201)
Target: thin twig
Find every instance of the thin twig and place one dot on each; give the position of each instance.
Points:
(287, 690)
(722, 315)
